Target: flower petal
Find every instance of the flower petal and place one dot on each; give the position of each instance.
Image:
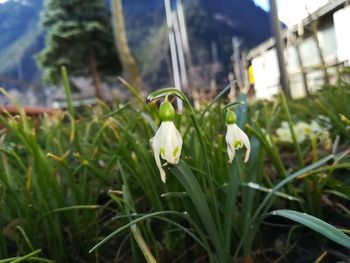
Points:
(162, 131)
(229, 140)
(237, 138)
(169, 141)
(229, 134)
(246, 143)
(178, 148)
(155, 141)
(231, 153)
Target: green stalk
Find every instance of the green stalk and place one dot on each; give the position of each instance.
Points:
(290, 124)
(21, 259)
(142, 244)
(67, 89)
(21, 230)
(230, 205)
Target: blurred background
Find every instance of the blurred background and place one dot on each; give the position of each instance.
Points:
(198, 46)
(73, 179)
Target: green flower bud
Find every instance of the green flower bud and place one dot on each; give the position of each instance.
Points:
(230, 117)
(166, 111)
(13, 123)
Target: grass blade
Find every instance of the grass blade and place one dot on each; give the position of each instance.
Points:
(194, 191)
(121, 229)
(289, 179)
(317, 225)
(142, 244)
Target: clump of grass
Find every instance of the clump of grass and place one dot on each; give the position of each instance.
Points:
(82, 178)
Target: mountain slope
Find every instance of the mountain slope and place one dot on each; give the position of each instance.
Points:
(21, 38)
(210, 23)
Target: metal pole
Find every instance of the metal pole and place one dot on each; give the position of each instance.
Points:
(185, 44)
(183, 30)
(276, 26)
(237, 67)
(173, 53)
(180, 52)
(19, 68)
(301, 65)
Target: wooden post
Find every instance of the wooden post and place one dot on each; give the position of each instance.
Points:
(121, 42)
(95, 75)
(276, 26)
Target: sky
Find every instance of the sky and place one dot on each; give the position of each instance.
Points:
(262, 3)
(292, 12)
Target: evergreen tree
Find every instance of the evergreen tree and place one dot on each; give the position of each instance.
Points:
(79, 37)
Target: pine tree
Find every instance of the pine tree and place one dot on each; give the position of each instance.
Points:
(79, 37)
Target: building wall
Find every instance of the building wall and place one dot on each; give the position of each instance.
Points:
(266, 73)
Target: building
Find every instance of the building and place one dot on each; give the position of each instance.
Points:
(316, 38)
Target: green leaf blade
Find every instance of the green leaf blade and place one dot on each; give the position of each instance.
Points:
(315, 224)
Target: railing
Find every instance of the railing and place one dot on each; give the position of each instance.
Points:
(31, 111)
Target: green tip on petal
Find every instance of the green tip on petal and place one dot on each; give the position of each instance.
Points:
(166, 111)
(176, 151)
(238, 144)
(230, 117)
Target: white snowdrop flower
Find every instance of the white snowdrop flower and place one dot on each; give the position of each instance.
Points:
(284, 134)
(325, 139)
(285, 125)
(235, 138)
(316, 128)
(317, 131)
(167, 142)
(302, 130)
